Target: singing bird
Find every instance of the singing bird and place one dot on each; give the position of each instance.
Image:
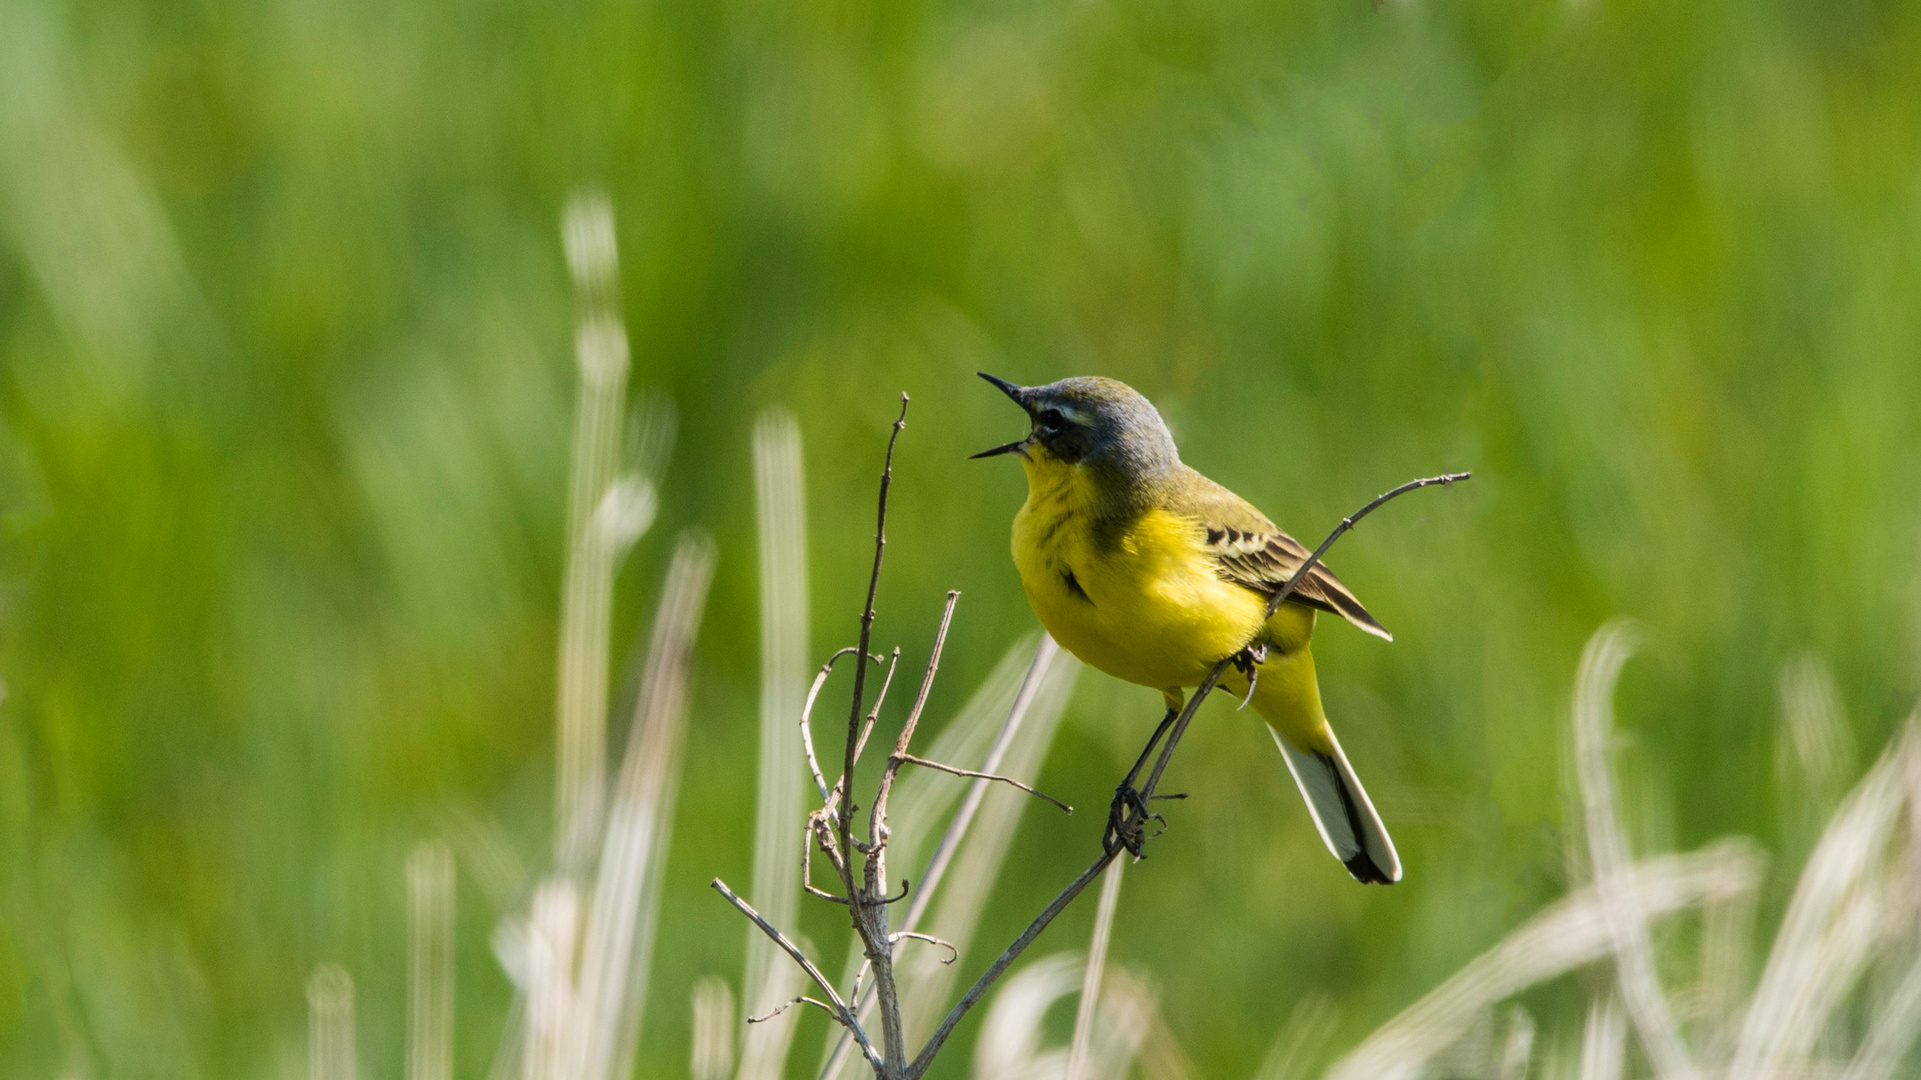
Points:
(1153, 573)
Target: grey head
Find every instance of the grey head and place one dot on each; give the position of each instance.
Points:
(1088, 420)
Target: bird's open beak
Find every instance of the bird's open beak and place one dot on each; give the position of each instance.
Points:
(1018, 446)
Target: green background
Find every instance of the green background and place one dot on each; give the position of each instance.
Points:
(286, 394)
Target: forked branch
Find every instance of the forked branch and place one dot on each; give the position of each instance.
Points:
(839, 1008)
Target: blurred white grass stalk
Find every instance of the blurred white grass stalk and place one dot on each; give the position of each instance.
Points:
(1010, 1037)
(626, 898)
(1124, 1028)
(1010, 695)
(580, 959)
(975, 846)
(586, 600)
(1517, 1050)
(551, 939)
(1831, 925)
(1604, 1039)
(1096, 963)
(770, 980)
(1568, 934)
(1610, 916)
(1601, 662)
(1856, 896)
(1814, 751)
(712, 1055)
(586, 958)
(1892, 1032)
(430, 962)
(1300, 1038)
(330, 1024)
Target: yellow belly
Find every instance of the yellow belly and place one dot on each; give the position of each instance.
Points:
(1144, 605)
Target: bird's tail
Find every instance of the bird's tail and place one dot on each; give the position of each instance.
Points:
(1287, 697)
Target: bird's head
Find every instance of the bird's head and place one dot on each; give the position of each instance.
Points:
(1090, 421)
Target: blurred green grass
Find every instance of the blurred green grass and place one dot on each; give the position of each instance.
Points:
(285, 392)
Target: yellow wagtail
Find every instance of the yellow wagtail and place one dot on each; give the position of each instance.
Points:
(1152, 573)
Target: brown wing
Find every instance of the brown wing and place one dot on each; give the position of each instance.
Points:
(1252, 551)
(1264, 561)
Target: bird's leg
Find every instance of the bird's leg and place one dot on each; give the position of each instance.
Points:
(1128, 798)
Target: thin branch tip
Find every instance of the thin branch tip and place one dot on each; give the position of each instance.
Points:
(911, 759)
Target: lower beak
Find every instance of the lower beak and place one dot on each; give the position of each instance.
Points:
(1018, 446)
(1012, 390)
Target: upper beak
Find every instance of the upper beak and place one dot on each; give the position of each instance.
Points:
(1008, 388)
(1012, 391)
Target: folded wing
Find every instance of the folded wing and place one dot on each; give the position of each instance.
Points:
(1251, 551)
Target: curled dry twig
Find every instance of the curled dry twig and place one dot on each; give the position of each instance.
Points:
(830, 828)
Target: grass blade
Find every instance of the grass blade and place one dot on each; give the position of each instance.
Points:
(1825, 937)
(1009, 1047)
(1569, 933)
(715, 1023)
(551, 941)
(1601, 662)
(769, 979)
(626, 900)
(587, 228)
(1604, 1039)
(977, 853)
(1096, 963)
(430, 962)
(1307, 1028)
(330, 1024)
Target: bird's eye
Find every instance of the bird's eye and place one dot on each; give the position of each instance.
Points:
(1051, 420)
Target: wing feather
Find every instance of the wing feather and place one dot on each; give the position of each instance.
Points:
(1253, 552)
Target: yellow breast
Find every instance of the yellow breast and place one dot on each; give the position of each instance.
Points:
(1137, 598)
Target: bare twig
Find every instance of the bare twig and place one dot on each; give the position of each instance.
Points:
(1274, 603)
(867, 635)
(801, 1000)
(953, 953)
(873, 714)
(877, 818)
(1044, 656)
(807, 863)
(910, 759)
(859, 974)
(839, 1007)
(871, 920)
(1005, 959)
(807, 712)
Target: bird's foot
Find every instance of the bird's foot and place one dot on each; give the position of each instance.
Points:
(1127, 818)
(1250, 658)
(1248, 662)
